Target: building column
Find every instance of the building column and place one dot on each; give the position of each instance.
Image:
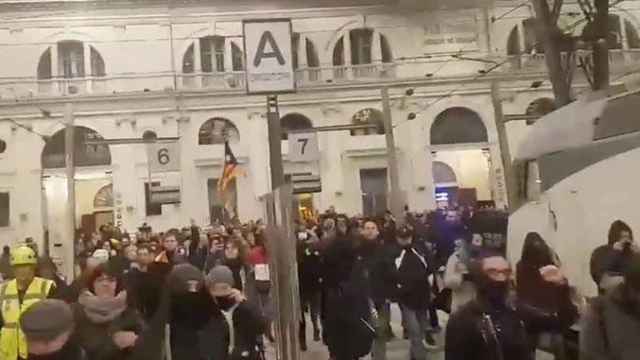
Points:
(346, 42)
(376, 48)
(228, 55)
(87, 68)
(302, 73)
(55, 69)
(197, 64)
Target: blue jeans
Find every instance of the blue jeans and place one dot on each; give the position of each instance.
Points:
(416, 322)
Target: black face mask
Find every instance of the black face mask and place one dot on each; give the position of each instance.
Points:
(495, 292)
(225, 302)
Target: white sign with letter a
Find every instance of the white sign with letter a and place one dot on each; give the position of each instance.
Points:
(303, 146)
(163, 156)
(269, 56)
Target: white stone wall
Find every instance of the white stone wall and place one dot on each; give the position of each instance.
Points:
(137, 50)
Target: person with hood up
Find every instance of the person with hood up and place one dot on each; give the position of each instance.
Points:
(539, 295)
(191, 308)
(48, 327)
(493, 326)
(611, 326)
(608, 261)
(107, 328)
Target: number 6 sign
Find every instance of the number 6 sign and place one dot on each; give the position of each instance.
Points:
(303, 146)
(164, 157)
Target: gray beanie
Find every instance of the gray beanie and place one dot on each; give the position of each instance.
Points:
(47, 320)
(220, 281)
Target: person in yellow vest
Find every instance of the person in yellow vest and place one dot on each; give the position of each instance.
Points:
(16, 296)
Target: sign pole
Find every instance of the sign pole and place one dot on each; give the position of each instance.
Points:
(275, 146)
(392, 157)
(69, 147)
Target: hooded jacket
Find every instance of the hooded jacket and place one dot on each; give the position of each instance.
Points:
(605, 259)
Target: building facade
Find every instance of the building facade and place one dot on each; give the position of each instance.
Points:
(128, 70)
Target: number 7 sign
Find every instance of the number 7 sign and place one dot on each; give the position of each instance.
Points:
(303, 146)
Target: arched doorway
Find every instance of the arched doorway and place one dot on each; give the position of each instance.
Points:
(294, 122)
(92, 177)
(461, 163)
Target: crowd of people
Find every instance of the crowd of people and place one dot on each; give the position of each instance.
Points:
(205, 293)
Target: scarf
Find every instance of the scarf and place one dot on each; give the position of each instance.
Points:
(100, 310)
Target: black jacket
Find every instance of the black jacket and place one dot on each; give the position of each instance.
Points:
(605, 259)
(214, 337)
(70, 351)
(309, 268)
(482, 332)
(96, 339)
(143, 291)
(412, 273)
(378, 261)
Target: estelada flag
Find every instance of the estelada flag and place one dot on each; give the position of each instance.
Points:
(230, 170)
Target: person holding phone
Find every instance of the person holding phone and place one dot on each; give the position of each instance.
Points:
(608, 261)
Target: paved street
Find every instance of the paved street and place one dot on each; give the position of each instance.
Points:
(397, 349)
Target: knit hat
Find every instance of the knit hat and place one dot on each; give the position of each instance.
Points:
(220, 281)
(185, 278)
(46, 320)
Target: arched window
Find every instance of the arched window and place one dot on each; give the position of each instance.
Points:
(237, 58)
(443, 173)
(53, 154)
(212, 56)
(71, 59)
(294, 122)
(308, 52)
(458, 125)
(104, 197)
(368, 116)
(149, 135)
(44, 65)
(615, 38)
(97, 63)
(216, 131)
(362, 48)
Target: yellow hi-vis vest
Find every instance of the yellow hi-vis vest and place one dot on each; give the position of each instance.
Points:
(12, 340)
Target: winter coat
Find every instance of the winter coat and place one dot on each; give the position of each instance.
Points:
(96, 337)
(605, 259)
(610, 329)
(481, 332)
(309, 268)
(458, 280)
(143, 291)
(348, 299)
(412, 273)
(190, 313)
(214, 337)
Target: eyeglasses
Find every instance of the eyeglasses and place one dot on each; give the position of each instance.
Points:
(498, 272)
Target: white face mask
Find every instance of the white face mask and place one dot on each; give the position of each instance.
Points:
(303, 236)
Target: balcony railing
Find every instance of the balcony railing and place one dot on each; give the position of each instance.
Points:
(221, 81)
(441, 67)
(364, 71)
(619, 60)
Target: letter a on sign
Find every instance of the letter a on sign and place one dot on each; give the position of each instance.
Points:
(275, 52)
(269, 54)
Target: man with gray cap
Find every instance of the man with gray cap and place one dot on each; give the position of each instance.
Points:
(48, 326)
(235, 327)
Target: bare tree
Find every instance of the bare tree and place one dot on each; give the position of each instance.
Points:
(560, 66)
